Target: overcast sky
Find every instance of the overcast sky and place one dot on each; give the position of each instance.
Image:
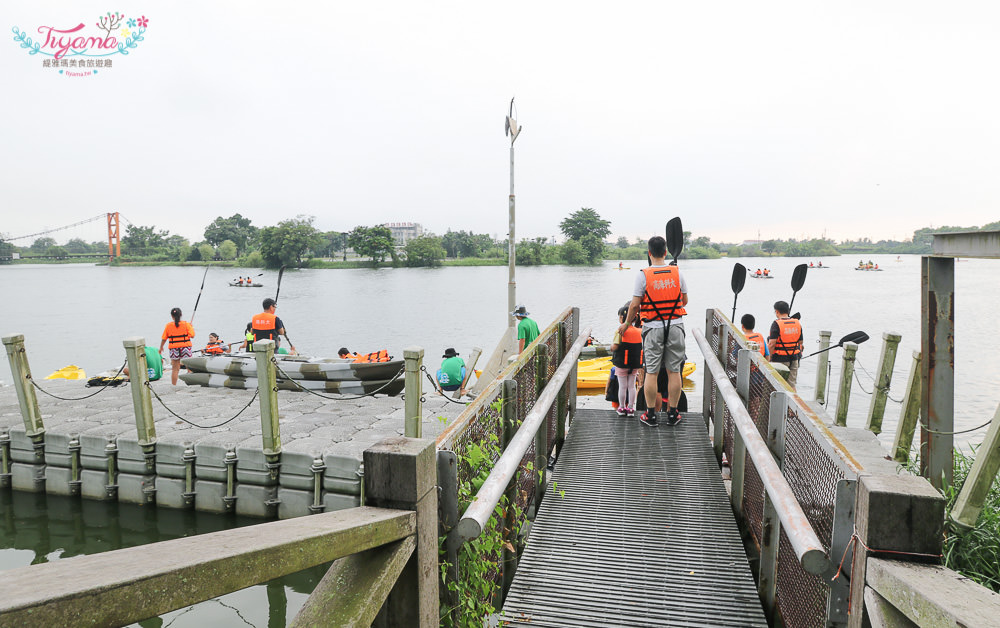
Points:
(791, 119)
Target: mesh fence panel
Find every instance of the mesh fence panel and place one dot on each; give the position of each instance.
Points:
(800, 597)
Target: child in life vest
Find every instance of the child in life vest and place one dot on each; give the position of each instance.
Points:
(626, 350)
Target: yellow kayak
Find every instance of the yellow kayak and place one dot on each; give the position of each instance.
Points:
(594, 377)
(69, 372)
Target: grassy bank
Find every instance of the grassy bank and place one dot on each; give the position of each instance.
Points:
(974, 553)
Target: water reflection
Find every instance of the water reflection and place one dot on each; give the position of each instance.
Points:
(37, 528)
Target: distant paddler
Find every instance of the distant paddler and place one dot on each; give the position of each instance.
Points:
(267, 326)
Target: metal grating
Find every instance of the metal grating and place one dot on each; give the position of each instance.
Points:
(801, 597)
(626, 545)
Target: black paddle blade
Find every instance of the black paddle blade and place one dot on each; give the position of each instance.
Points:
(739, 277)
(675, 237)
(799, 277)
(797, 316)
(281, 272)
(857, 338)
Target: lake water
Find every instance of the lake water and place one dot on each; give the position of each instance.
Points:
(79, 314)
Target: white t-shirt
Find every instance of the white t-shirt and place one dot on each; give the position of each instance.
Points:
(639, 290)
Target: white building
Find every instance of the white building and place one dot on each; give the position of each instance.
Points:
(403, 232)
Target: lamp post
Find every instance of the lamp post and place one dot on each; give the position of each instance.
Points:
(512, 130)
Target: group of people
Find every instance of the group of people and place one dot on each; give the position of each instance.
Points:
(784, 339)
(178, 336)
(868, 266)
(766, 272)
(245, 281)
(819, 265)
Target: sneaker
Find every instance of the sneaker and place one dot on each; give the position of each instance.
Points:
(673, 417)
(621, 411)
(630, 411)
(649, 418)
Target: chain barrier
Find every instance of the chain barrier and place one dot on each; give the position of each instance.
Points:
(102, 389)
(285, 376)
(886, 390)
(434, 384)
(974, 429)
(207, 427)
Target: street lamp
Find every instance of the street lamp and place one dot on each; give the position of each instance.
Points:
(512, 130)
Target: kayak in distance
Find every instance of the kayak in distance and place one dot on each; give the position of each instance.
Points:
(762, 276)
(352, 387)
(296, 367)
(237, 284)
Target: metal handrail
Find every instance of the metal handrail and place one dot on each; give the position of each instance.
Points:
(808, 548)
(479, 511)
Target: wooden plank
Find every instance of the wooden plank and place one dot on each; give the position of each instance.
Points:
(355, 587)
(127, 585)
(882, 614)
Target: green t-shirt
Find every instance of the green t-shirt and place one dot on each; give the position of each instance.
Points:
(452, 371)
(154, 364)
(527, 330)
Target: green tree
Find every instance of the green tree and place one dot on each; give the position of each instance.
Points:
(593, 247)
(375, 243)
(622, 242)
(55, 251)
(141, 240)
(769, 246)
(530, 252)
(585, 221)
(286, 243)
(228, 250)
(78, 246)
(40, 245)
(235, 228)
(424, 251)
(573, 253)
(207, 251)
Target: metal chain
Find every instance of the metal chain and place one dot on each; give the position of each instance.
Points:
(102, 389)
(207, 427)
(890, 397)
(341, 398)
(440, 390)
(974, 429)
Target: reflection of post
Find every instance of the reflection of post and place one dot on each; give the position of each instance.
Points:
(277, 604)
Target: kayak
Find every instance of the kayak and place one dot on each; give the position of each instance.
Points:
(296, 367)
(596, 351)
(762, 276)
(216, 380)
(237, 284)
(875, 270)
(818, 267)
(624, 268)
(69, 372)
(594, 377)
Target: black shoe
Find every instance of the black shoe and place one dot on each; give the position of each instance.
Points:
(649, 418)
(673, 417)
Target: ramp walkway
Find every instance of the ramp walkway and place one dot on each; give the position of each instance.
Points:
(636, 530)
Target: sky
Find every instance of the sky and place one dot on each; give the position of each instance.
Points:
(770, 119)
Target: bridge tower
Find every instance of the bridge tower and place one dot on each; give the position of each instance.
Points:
(114, 244)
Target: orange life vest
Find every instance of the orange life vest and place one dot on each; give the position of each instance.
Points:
(628, 355)
(214, 348)
(662, 300)
(178, 335)
(264, 326)
(789, 336)
(753, 336)
(375, 356)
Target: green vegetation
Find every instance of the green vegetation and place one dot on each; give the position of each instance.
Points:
(424, 251)
(974, 553)
(585, 228)
(372, 242)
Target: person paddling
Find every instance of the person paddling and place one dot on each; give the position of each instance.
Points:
(179, 333)
(267, 326)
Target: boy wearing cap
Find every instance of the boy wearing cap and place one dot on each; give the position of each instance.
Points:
(452, 372)
(527, 329)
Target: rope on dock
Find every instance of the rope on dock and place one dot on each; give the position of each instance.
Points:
(886, 389)
(102, 389)
(439, 389)
(207, 427)
(288, 377)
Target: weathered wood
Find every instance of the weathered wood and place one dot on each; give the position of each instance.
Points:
(821, 366)
(894, 514)
(142, 399)
(977, 485)
(267, 393)
(355, 587)
(937, 369)
(402, 473)
(933, 595)
(886, 362)
(908, 415)
(882, 614)
(846, 377)
(128, 585)
(413, 413)
(26, 398)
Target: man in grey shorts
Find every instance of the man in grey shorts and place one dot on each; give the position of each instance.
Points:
(659, 295)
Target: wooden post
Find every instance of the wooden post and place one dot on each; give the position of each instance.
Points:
(896, 516)
(542, 435)
(469, 370)
(26, 398)
(767, 582)
(267, 392)
(907, 424)
(937, 369)
(821, 367)
(142, 399)
(401, 473)
(414, 413)
(846, 377)
(890, 342)
(508, 415)
(977, 485)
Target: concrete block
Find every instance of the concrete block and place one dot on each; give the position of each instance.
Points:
(132, 488)
(170, 459)
(131, 458)
(208, 496)
(57, 480)
(336, 501)
(28, 477)
(252, 468)
(169, 492)
(293, 503)
(900, 513)
(21, 447)
(94, 484)
(256, 501)
(211, 454)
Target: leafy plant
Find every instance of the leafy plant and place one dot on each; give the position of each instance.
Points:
(974, 553)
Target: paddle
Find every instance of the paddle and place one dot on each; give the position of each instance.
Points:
(238, 278)
(798, 279)
(280, 273)
(675, 244)
(739, 280)
(856, 337)
(198, 300)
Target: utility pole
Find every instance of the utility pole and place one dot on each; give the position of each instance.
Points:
(511, 129)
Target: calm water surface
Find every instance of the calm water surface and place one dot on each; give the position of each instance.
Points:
(79, 314)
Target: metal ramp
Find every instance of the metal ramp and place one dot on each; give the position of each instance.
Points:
(643, 536)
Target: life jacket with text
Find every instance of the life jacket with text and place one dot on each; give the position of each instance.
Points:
(662, 299)
(264, 326)
(375, 356)
(178, 335)
(789, 336)
(628, 355)
(215, 348)
(753, 336)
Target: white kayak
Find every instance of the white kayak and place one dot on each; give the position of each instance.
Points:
(217, 380)
(296, 367)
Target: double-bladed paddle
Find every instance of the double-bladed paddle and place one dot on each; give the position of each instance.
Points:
(281, 272)
(856, 337)
(739, 280)
(675, 245)
(798, 280)
(198, 300)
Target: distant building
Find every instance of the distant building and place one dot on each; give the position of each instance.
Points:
(752, 243)
(403, 232)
